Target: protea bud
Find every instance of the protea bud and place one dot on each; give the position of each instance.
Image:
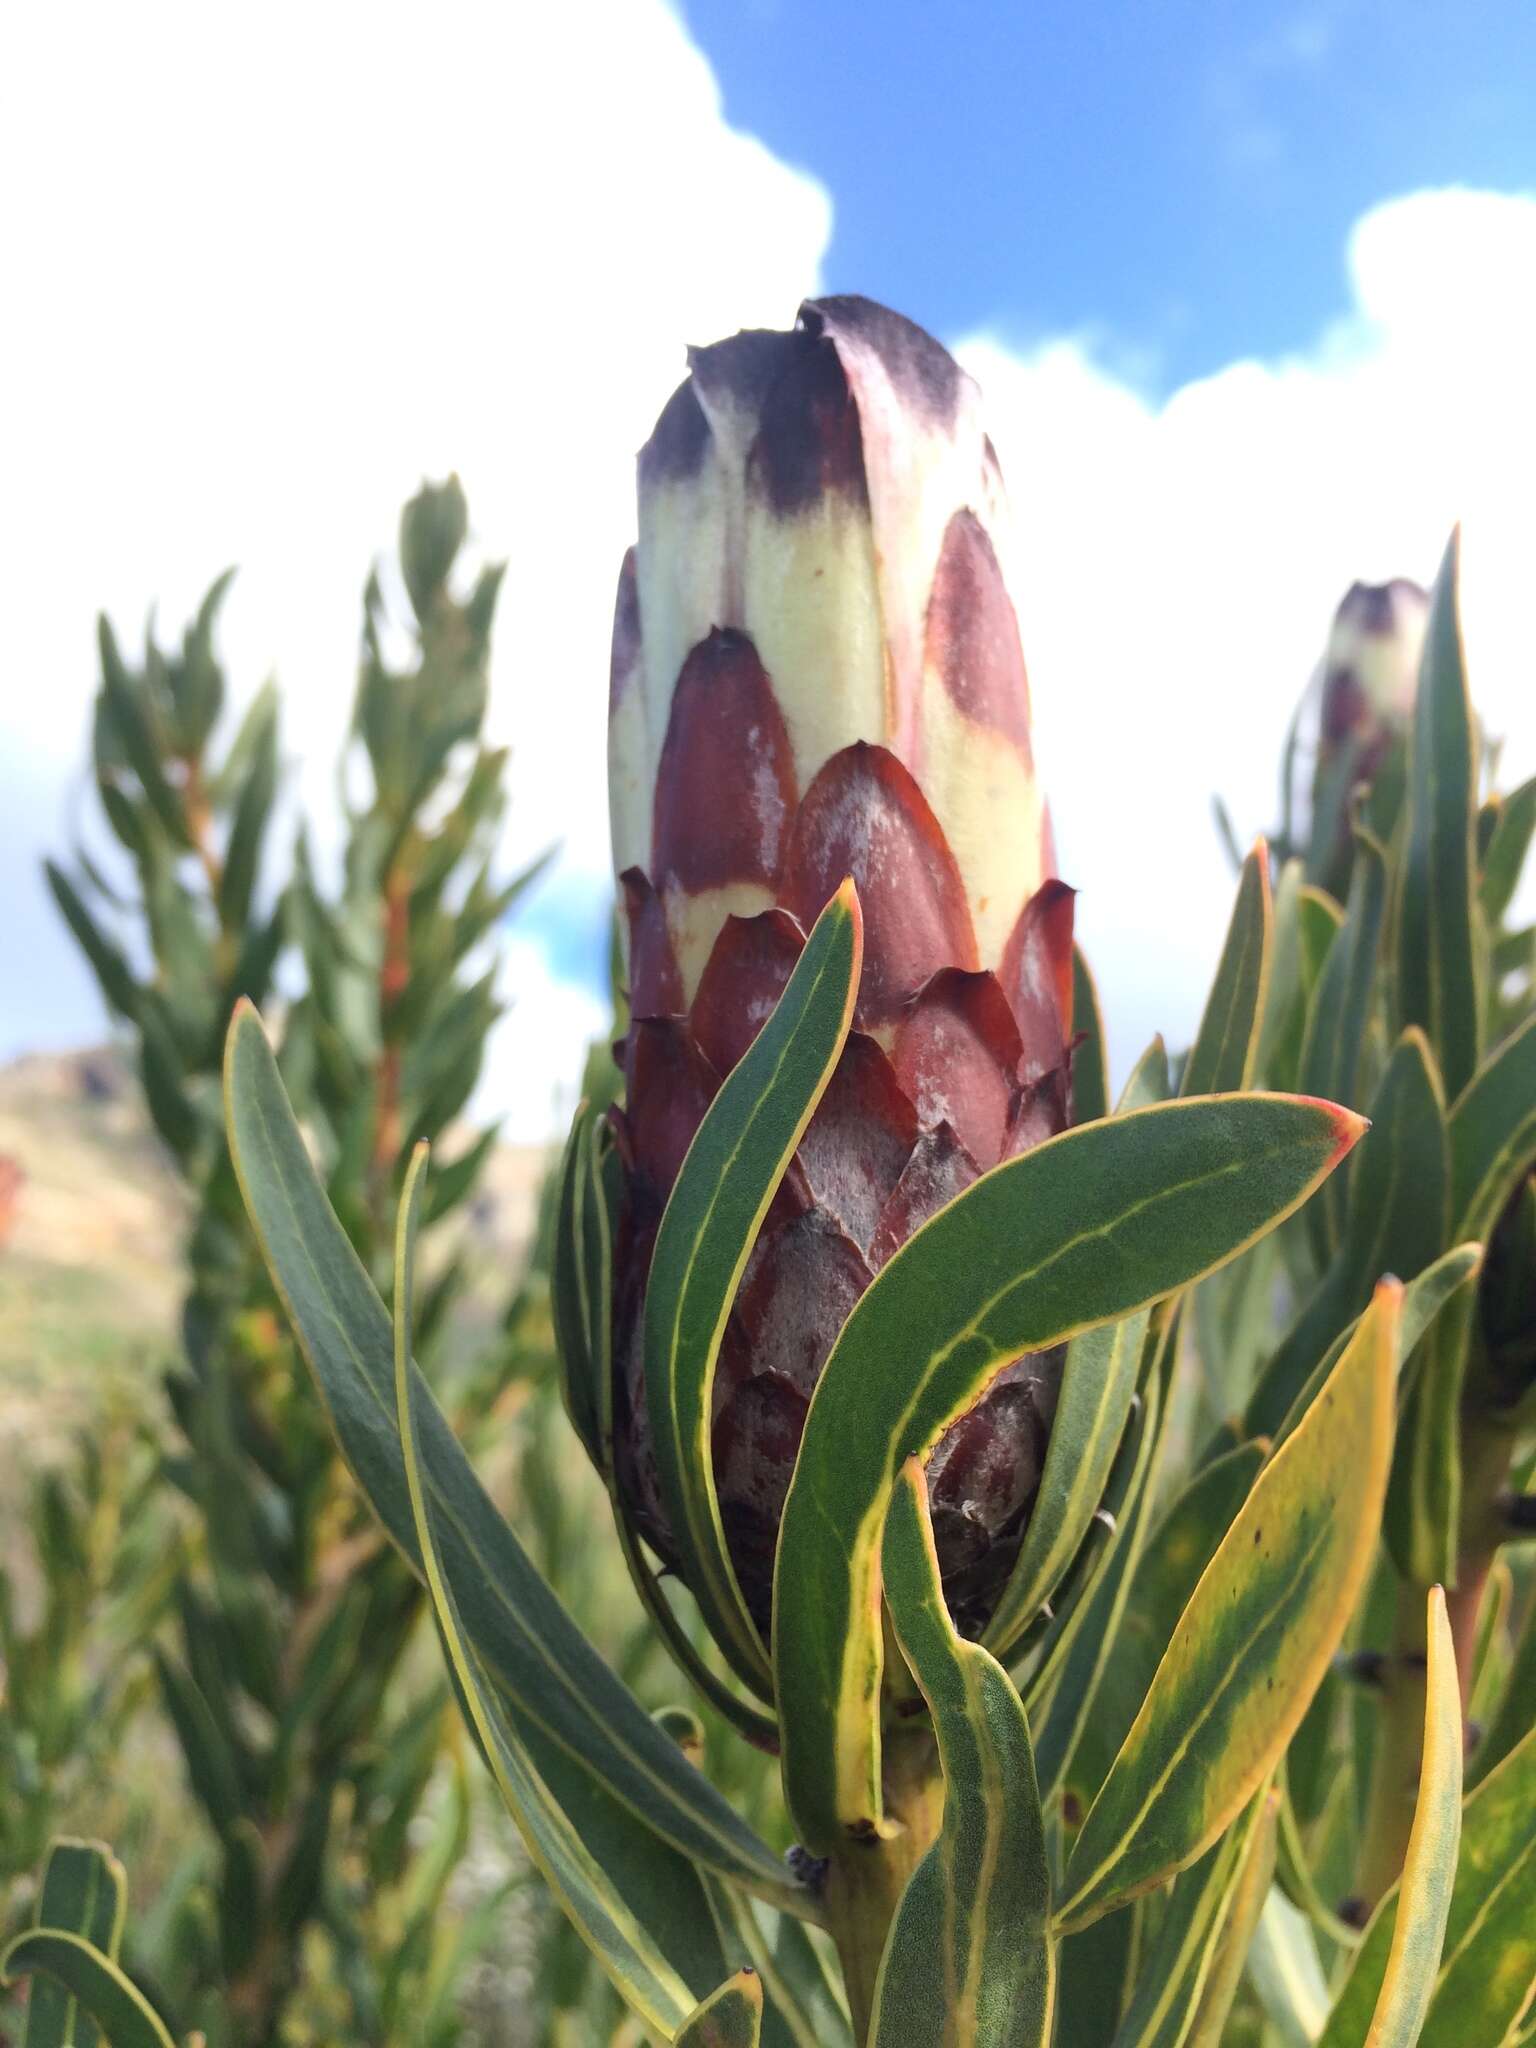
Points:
(1369, 676)
(1371, 669)
(817, 673)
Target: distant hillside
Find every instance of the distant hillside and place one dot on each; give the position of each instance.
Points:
(91, 1231)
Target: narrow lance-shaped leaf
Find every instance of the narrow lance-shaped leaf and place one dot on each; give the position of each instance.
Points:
(1340, 1016)
(529, 1646)
(731, 2017)
(1423, 1511)
(1175, 1554)
(969, 1961)
(96, 1984)
(1097, 1385)
(1284, 1018)
(1424, 1300)
(1091, 1226)
(616, 1919)
(1090, 1059)
(578, 1381)
(595, 1201)
(1396, 1223)
(1419, 1908)
(1245, 1903)
(734, 1165)
(1505, 857)
(85, 1892)
(1148, 1081)
(804, 2005)
(1071, 1695)
(1437, 956)
(1051, 1645)
(1286, 1973)
(1516, 1710)
(1227, 1043)
(1172, 1977)
(1254, 1640)
(1493, 1134)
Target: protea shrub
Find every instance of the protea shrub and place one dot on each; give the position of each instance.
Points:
(870, 1300)
(817, 673)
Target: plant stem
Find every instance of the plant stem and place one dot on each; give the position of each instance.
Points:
(865, 1881)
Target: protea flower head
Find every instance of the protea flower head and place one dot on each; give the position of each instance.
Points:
(817, 673)
(1370, 669)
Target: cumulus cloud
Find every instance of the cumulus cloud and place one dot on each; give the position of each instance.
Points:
(267, 280)
(1181, 560)
(263, 275)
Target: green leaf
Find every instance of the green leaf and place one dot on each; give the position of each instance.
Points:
(1169, 1567)
(1319, 920)
(1339, 1018)
(1090, 1061)
(1395, 1223)
(1245, 1903)
(1095, 1976)
(1423, 1511)
(1061, 1651)
(1285, 1012)
(1098, 1382)
(733, 1168)
(731, 2017)
(1429, 1869)
(1493, 1134)
(1287, 1974)
(138, 743)
(94, 1981)
(210, 1766)
(524, 1639)
(107, 960)
(1423, 1301)
(803, 2001)
(1227, 1043)
(85, 1892)
(1254, 1640)
(1516, 1711)
(1437, 953)
(1086, 1228)
(1148, 1081)
(1505, 857)
(625, 1903)
(578, 1379)
(253, 807)
(1172, 1977)
(595, 1198)
(969, 1961)
(1073, 1654)
(1398, 1975)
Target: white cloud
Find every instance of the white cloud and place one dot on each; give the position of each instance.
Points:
(1181, 562)
(263, 274)
(264, 281)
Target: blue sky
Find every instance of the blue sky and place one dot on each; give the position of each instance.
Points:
(1176, 179)
(1250, 293)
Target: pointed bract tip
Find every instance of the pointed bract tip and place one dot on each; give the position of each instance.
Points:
(1348, 1127)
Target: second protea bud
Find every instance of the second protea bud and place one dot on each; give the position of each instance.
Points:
(817, 673)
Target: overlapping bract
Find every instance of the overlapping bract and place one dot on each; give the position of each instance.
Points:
(817, 673)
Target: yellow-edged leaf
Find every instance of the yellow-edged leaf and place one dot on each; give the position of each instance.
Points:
(1255, 1639)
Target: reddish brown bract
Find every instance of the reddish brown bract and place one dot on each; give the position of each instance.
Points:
(817, 673)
